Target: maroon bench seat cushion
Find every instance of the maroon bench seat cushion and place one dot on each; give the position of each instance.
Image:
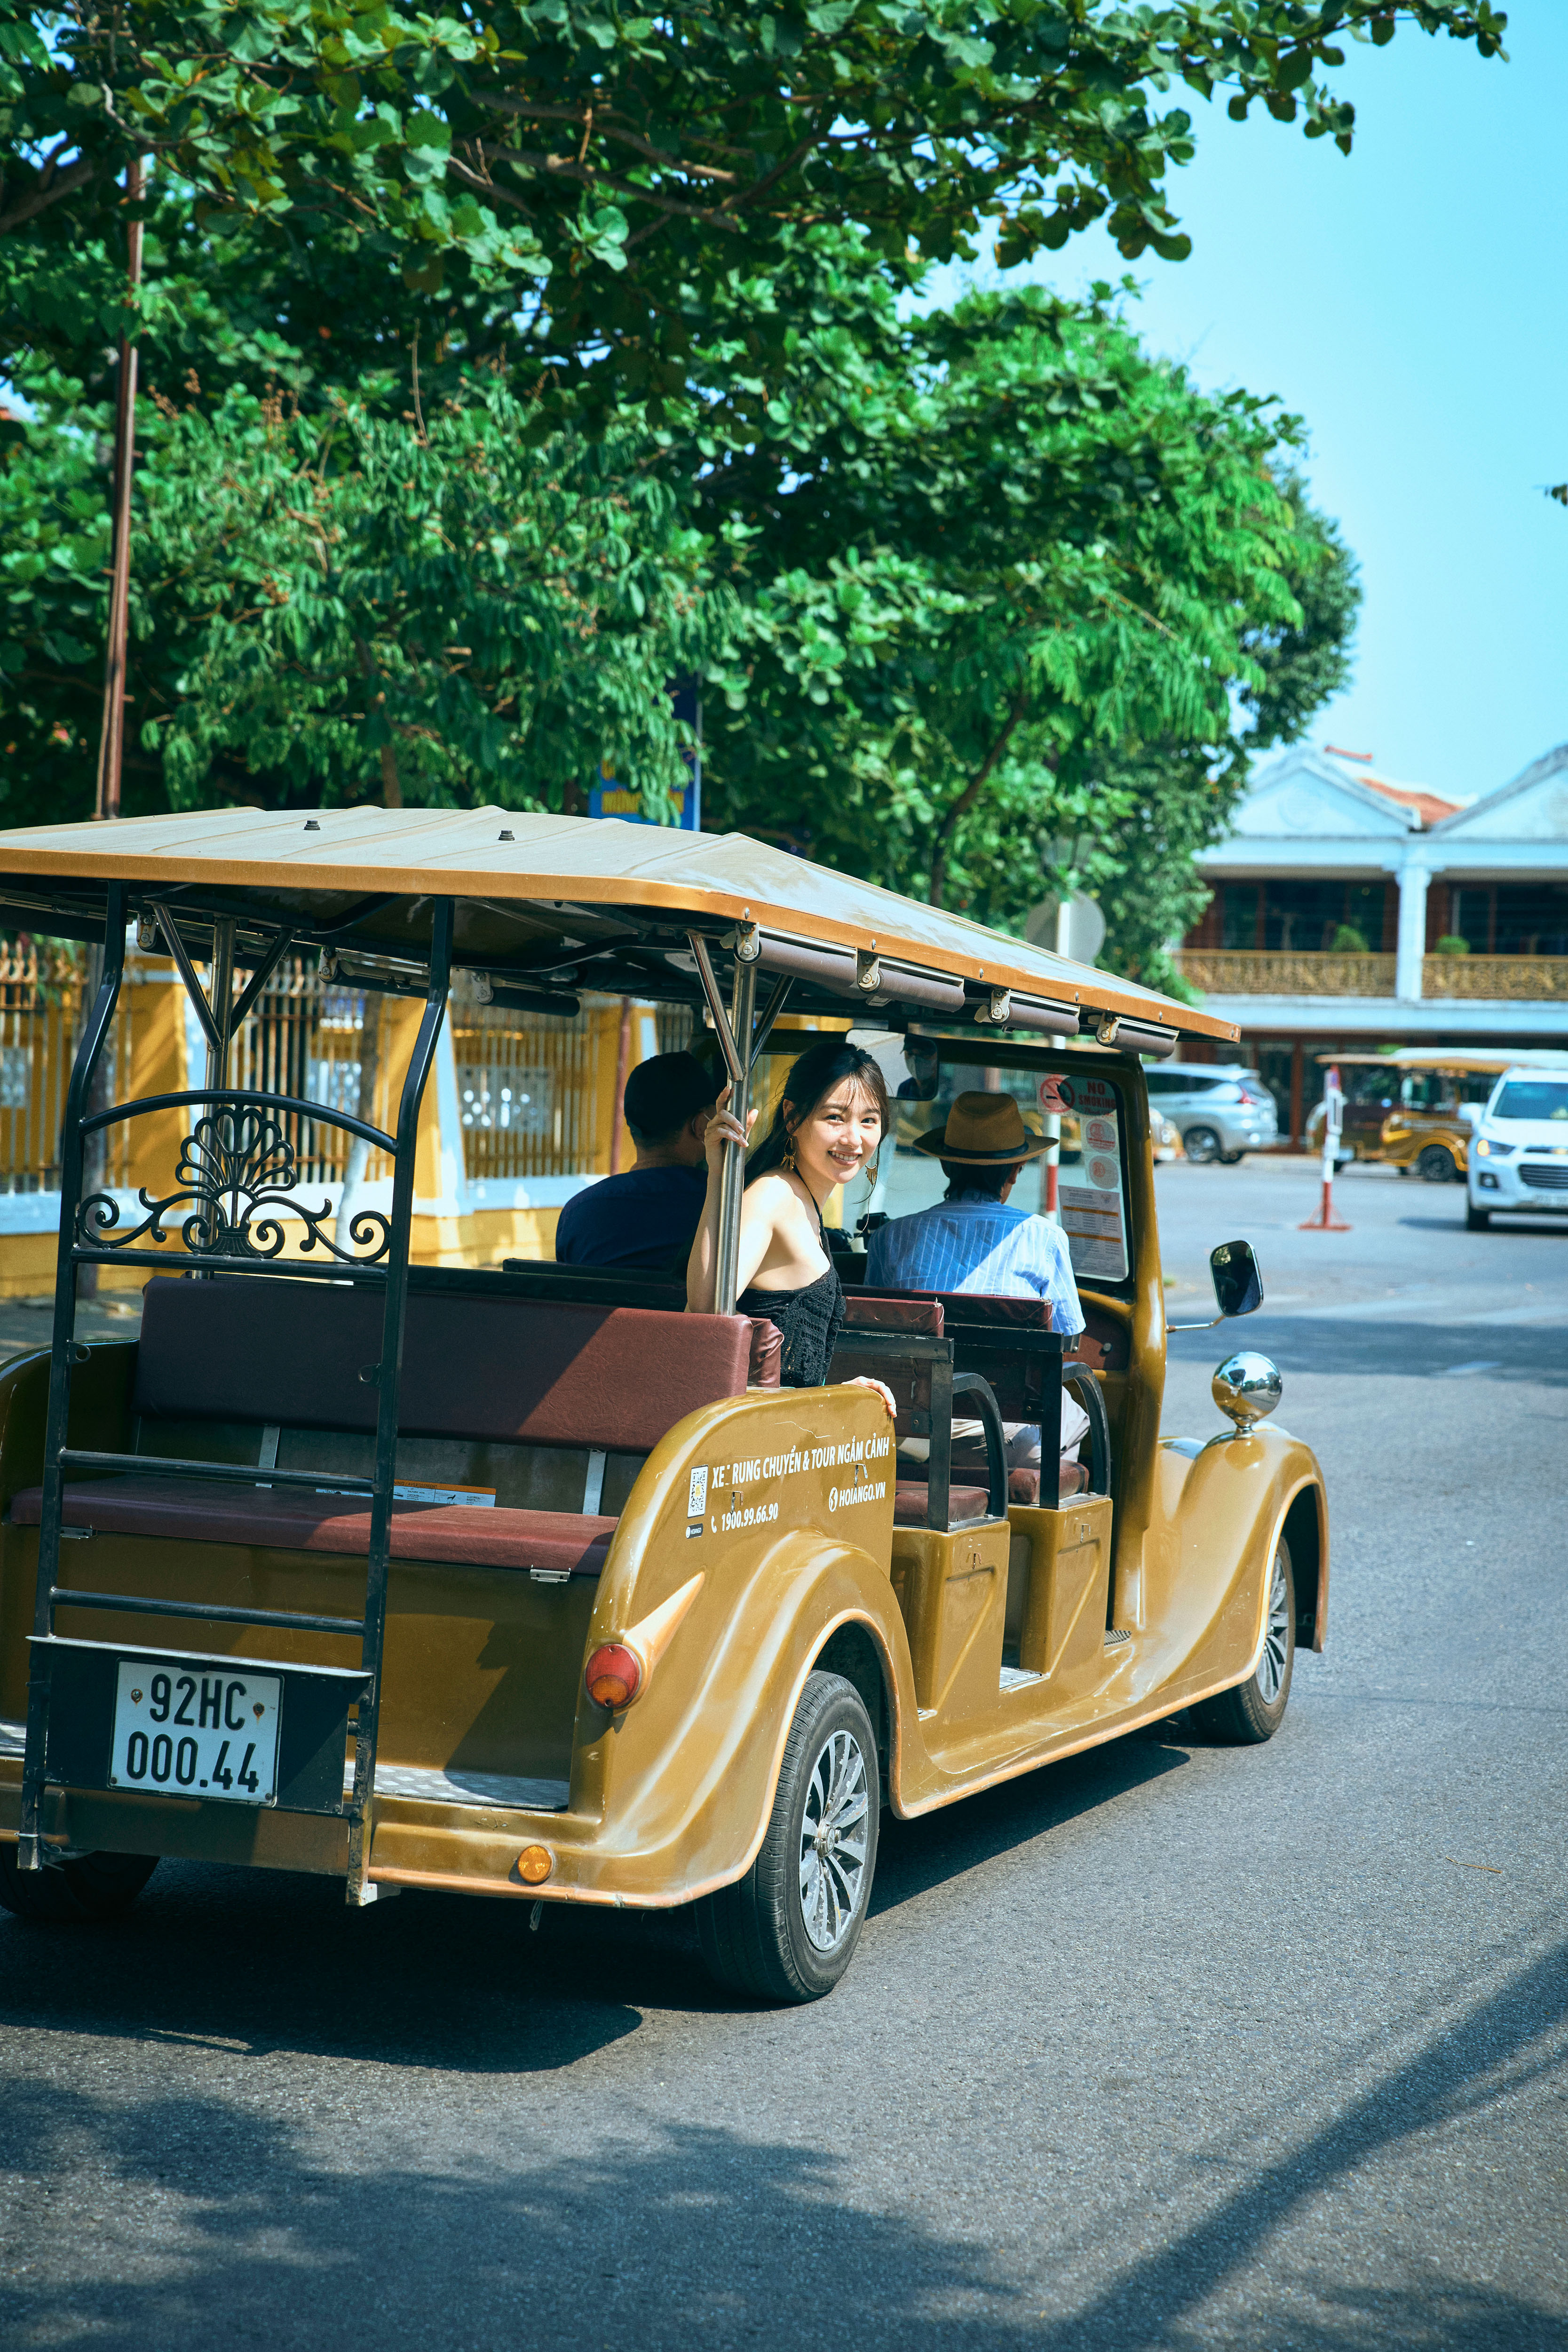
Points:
(284, 1518)
(887, 1310)
(517, 1372)
(912, 1498)
(964, 1306)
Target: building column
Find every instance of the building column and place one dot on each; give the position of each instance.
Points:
(1412, 948)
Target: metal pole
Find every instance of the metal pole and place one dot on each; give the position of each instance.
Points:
(221, 1003)
(733, 1178)
(97, 1028)
(389, 1375)
(1325, 1221)
(221, 1000)
(111, 738)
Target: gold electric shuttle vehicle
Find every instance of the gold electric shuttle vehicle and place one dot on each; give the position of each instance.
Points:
(523, 1582)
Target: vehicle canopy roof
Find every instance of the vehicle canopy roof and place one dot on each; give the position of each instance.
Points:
(1455, 1057)
(547, 905)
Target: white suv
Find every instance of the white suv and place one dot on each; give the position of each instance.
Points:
(1519, 1151)
(1221, 1109)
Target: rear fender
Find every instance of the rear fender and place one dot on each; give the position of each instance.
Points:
(686, 1775)
(681, 1783)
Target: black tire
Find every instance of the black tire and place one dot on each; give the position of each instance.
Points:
(1434, 1165)
(91, 1889)
(1201, 1145)
(1231, 1158)
(1255, 1710)
(755, 1935)
(1476, 1220)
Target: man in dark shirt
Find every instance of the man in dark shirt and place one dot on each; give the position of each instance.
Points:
(649, 1216)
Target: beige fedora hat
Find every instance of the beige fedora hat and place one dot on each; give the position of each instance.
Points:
(983, 1130)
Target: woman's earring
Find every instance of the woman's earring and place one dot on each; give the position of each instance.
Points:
(788, 1163)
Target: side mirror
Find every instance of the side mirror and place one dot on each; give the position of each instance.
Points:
(1237, 1284)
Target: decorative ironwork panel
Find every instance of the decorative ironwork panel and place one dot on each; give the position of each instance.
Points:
(1249, 971)
(237, 1178)
(1508, 978)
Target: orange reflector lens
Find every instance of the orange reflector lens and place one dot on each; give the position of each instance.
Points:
(613, 1675)
(534, 1864)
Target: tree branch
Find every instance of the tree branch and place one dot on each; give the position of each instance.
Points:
(48, 192)
(942, 840)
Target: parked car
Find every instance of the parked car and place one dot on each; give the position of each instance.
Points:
(1221, 1110)
(1518, 1165)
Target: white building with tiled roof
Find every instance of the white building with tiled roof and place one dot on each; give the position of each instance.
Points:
(1351, 911)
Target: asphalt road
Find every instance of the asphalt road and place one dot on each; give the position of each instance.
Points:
(1171, 2046)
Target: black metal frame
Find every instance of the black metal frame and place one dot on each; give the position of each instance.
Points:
(240, 1136)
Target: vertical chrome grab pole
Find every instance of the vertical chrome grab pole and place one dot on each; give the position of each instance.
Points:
(733, 1181)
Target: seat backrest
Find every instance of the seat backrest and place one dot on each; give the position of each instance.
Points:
(514, 1372)
(973, 1306)
(884, 1310)
(528, 1278)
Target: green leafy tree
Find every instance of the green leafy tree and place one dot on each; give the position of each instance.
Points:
(345, 606)
(1172, 801)
(618, 174)
(1024, 546)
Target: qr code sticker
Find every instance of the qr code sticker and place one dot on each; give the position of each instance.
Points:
(696, 1497)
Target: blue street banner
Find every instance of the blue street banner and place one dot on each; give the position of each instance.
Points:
(608, 798)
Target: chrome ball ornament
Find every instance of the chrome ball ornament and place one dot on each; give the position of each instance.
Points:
(1248, 1387)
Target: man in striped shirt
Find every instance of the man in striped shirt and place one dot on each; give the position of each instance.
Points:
(974, 1240)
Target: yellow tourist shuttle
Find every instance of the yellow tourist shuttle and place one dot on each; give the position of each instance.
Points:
(523, 1582)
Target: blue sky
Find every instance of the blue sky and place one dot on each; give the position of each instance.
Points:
(1411, 302)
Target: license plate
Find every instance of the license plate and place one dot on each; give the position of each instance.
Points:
(197, 1734)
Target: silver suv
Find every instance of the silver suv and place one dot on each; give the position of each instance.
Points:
(1221, 1109)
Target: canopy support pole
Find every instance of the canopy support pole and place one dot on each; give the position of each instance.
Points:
(733, 1030)
(734, 1185)
(96, 1031)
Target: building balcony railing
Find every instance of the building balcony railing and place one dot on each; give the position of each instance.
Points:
(1268, 972)
(1517, 979)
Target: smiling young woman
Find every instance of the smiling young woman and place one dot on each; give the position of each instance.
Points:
(830, 1123)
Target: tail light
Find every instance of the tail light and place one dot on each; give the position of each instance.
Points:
(613, 1675)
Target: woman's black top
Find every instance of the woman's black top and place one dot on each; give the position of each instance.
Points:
(810, 1320)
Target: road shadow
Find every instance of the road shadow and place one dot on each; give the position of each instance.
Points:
(1372, 1348)
(271, 1961)
(152, 2224)
(914, 1857)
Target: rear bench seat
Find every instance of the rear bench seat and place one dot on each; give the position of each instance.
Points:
(586, 1380)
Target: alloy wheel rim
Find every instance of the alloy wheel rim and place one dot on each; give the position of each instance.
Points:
(1276, 1639)
(835, 1830)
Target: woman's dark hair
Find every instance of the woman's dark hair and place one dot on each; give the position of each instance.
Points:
(823, 1066)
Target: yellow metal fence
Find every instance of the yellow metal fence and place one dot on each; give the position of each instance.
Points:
(535, 1094)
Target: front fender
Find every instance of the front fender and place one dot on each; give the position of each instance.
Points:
(1226, 1506)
